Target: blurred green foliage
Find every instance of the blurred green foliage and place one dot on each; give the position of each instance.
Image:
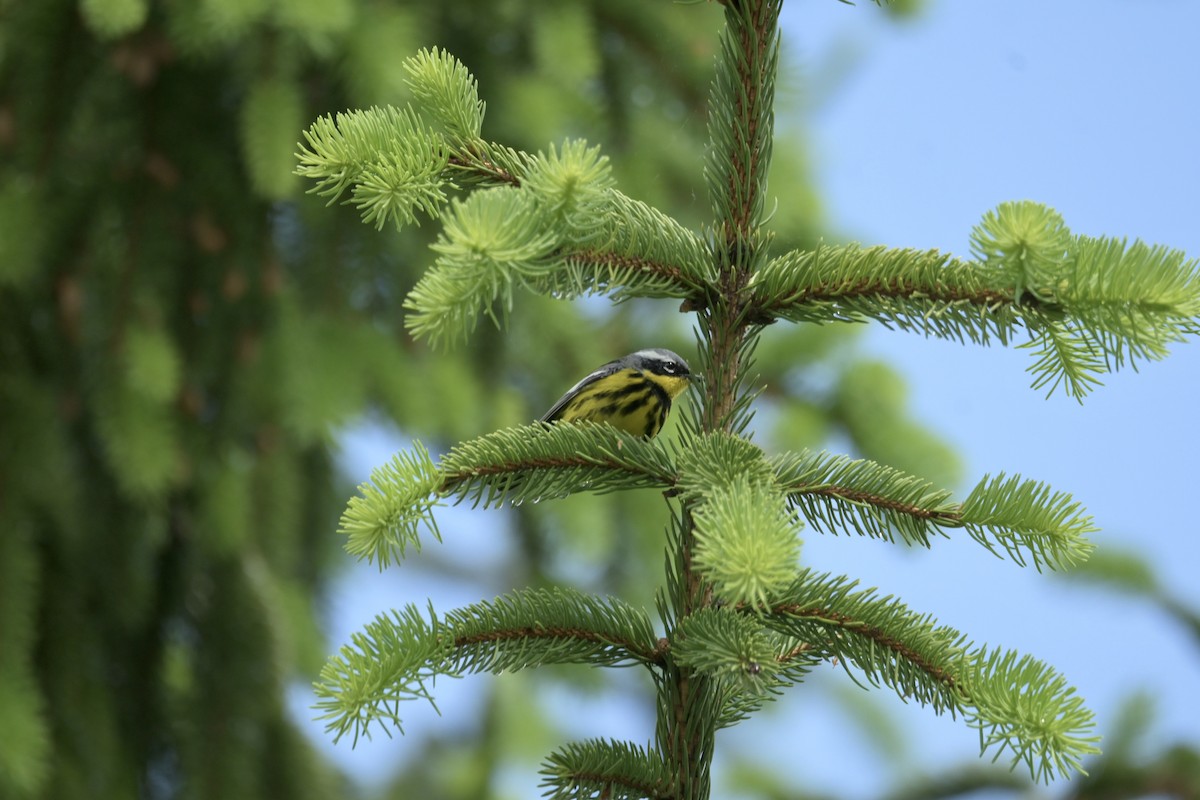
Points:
(183, 335)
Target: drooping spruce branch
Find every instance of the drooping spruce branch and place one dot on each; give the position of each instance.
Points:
(1016, 702)
(394, 658)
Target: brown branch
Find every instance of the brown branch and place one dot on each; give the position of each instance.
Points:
(875, 634)
(796, 652)
(485, 168)
(752, 104)
(578, 634)
(648, 790)
(894, 288)
(950, 518)
(454, 479)
(686, 733)
(631, 263)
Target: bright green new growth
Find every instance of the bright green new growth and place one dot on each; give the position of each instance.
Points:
(551, 223)
(747, 541)
(383, 520)
(742, 620)
(391, 162)
(448, 93)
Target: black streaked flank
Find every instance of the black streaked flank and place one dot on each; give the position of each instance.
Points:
(633, 393)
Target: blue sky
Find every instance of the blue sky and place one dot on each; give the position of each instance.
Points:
(1091, 108)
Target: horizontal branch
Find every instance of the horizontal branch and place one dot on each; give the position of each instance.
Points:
(1025, 519)
(897, 288)
(540, 626)
(876, 634)
(541, 461)
(1089, 305)
(464, 481)
(394, 658)
(477, 165)
(858, 497)
(528, 633)
(528, 463)
(596, 260)
(1049, 729)
(926, 291)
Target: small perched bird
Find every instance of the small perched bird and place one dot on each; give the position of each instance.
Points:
(633, 393)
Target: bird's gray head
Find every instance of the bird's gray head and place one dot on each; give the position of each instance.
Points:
(659, 362)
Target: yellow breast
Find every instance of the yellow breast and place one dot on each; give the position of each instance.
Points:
(632, 400)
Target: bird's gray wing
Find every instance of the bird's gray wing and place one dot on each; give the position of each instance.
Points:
(604, 371)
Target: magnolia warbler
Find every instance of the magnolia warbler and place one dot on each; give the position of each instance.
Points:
(633, 393)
